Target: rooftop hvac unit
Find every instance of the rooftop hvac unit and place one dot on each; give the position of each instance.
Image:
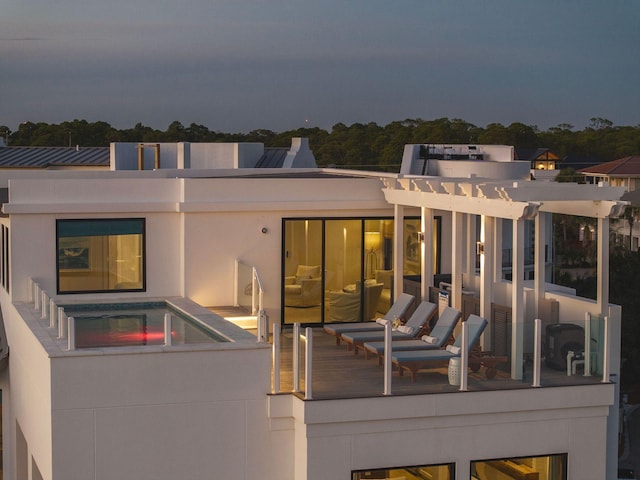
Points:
(561, 338)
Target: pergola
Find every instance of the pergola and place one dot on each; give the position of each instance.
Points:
(495, 202)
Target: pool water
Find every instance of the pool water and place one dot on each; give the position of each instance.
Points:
(135, 324)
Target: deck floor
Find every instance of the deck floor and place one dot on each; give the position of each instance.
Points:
(339, 373)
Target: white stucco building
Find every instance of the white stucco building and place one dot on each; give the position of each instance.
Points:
(181, 225)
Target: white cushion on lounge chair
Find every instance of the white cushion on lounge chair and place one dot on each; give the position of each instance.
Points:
(406, 329)
(429, 339)
(453, 349)
(382, 321)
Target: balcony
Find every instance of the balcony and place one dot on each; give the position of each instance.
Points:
(338, 373)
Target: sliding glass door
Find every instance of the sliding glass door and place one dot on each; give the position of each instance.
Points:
(341, 269)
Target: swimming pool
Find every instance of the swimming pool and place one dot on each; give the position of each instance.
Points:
(135, 324)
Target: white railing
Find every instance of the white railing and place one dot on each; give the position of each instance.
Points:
(249, 294)
(49, 310)
(307, 339)
(249, 288)
(300, 355)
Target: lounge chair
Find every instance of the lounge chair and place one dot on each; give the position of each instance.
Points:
(438, 337)
(414, 328)
(397, 310)
(415, 360)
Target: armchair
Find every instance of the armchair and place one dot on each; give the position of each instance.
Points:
(304, 289)
(344, 306)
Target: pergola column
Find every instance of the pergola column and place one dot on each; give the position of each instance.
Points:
(470, 254)
(487, 225)
(517, 300)
(426, 269)
(603, 266)
(457, 239)
(497, 250)
(540, 259)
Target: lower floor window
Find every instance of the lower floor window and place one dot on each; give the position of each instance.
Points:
(549, 467)
(100, 255)
(435, 472)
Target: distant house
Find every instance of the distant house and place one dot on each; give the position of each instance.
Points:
(623, 172)
(540, 158)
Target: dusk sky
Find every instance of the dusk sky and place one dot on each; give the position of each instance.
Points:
(240, 65)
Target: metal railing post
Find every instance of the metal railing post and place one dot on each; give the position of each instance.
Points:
(71, 330)
(263, 326)
(44, 310)
(53, 317)
(62, 323)
(167, 329)
(464, 357)
(388, 369)
(587, 344)
(275, 359)
(606, 352)
(296, 357)
(537, 350)
(36, 296)
(254, 308)
(308, 364)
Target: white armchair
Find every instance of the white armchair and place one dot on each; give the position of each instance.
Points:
(344, 306)
(304, 289)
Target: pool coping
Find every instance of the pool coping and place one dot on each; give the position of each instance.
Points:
(238, 339)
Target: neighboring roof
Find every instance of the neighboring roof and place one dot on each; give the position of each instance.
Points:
(627, 166)
(272, 158)
(44, 157)
(532, 154)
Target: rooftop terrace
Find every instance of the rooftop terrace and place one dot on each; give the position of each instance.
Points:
(338, 373)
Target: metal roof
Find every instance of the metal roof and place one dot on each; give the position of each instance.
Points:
(45, 157)
(272, 158)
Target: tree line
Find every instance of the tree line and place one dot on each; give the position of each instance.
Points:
(366, 146)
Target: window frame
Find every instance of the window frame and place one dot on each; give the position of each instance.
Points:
(143, 253)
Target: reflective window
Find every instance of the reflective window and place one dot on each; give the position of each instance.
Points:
(100, 255)
(433, 472)
(548, 467)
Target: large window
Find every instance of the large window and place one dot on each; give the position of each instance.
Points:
(341, 269)
(434, 472)
(100, 255)
(548, 467)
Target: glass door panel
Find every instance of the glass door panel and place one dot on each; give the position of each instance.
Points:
(378, 244)
(303, 273)
(343, 266)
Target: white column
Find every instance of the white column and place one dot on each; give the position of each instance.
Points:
(426, 270)
(603, 266)
(456, 260)
(537, 351)
(517, 300)
(497, 250)
(487, 225)
(470, 257)
(388, 367)
(275, 359)
(398, 250)
(539, 259)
